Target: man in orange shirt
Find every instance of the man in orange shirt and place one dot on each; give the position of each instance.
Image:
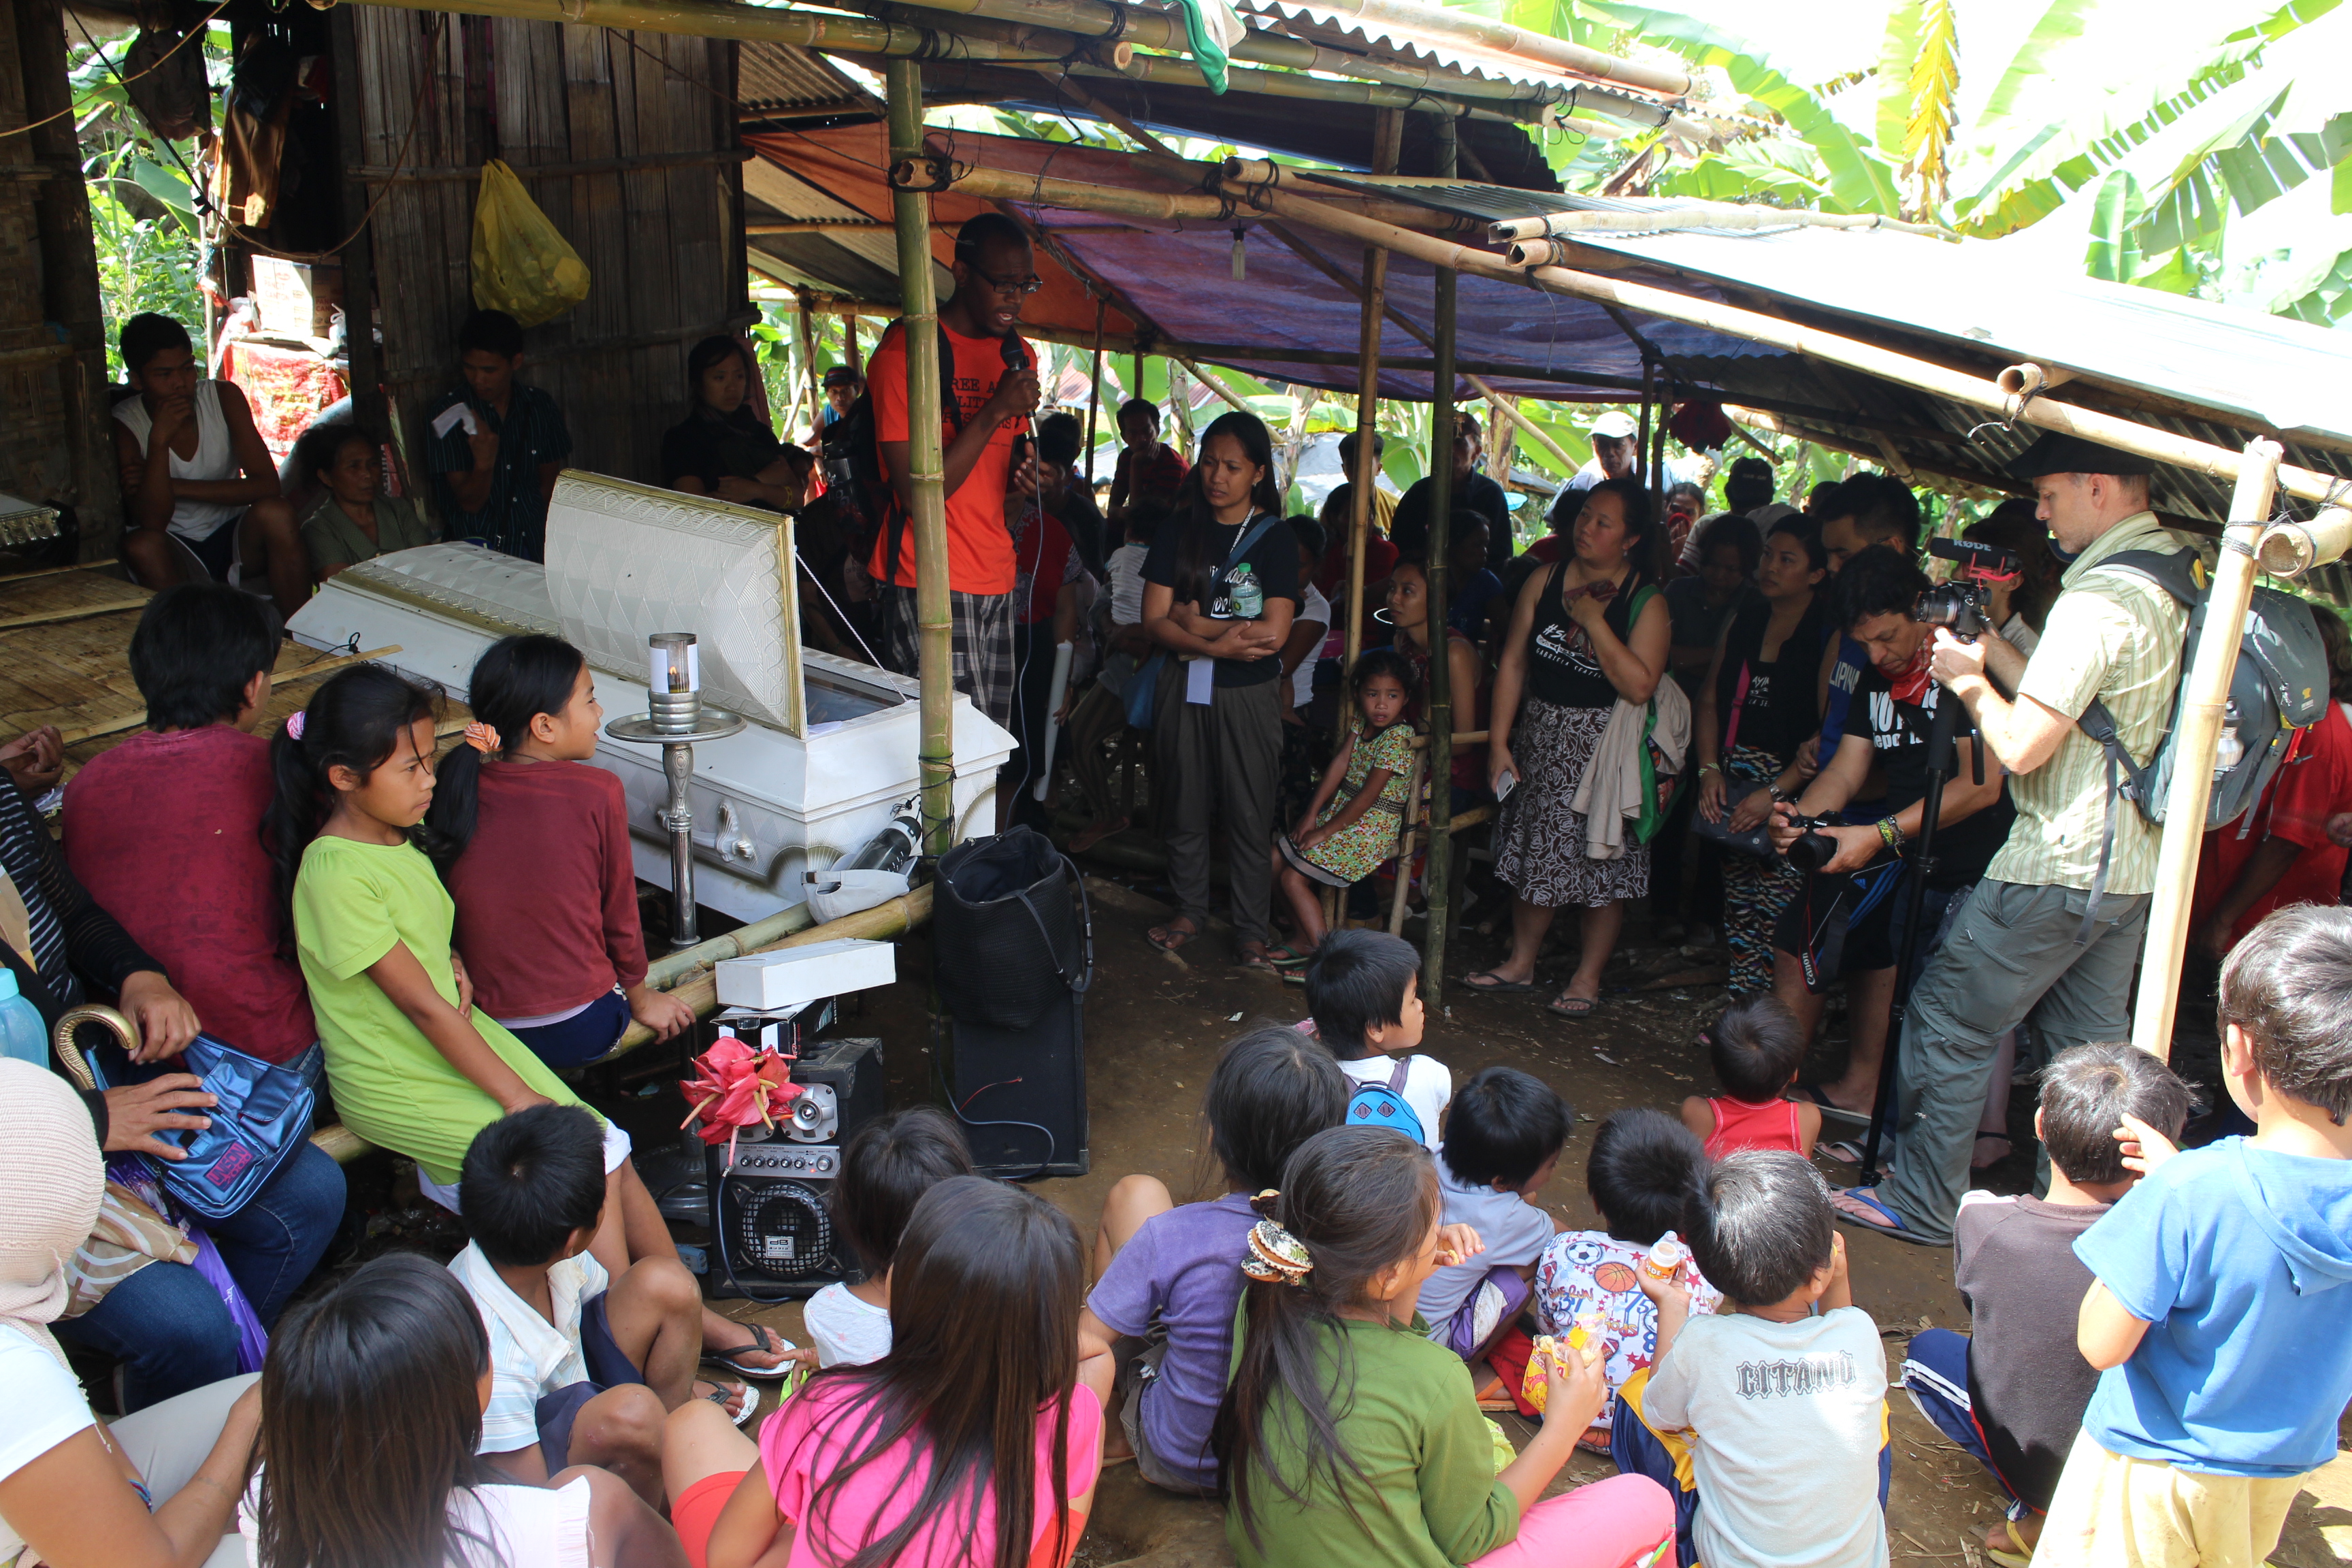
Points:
(994, 389)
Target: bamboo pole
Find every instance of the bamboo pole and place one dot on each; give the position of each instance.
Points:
(2204, 696)
(1094, 399)
(79, 613)
(808, 363)
(925, 469)
(761, 24)
(1533, 247)
(1387, 139)
(880, 923)
(1978, 392)
(1484, 389)
(1437, 880)
(1166, 206)
(1211, 381)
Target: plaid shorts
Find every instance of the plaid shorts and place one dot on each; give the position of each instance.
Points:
(982, 640)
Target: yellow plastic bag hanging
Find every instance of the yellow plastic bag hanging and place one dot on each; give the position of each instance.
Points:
(522, 265)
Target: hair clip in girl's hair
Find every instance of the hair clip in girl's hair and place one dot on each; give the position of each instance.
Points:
(481, 737)
(1277, 1257)
(1264, 1203)
(294, 723)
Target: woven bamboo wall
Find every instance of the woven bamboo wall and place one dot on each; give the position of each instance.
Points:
(53, 443)
(641, 127)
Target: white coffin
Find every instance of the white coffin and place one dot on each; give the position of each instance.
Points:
(769, 804)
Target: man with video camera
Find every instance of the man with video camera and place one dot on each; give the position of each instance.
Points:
(1849, 919)
(2041, 935)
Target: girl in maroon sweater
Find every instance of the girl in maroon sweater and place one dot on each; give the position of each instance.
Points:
(534, 848)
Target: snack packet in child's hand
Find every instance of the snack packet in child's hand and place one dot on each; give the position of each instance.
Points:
(1550, 1352)
(1537, 1389)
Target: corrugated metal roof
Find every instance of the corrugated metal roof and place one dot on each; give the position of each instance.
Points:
(772, 78)
(1997, 298)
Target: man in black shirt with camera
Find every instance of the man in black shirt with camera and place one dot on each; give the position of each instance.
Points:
(1849, 919)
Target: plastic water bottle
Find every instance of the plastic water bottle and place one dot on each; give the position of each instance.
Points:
(1248, 594)
(22, 1035)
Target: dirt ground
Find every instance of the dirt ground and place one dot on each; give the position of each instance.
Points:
(1154, 1024)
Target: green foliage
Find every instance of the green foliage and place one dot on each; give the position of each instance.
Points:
(2153, 133)
(142, 210)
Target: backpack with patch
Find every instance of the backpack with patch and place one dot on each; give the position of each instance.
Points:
(2278, 689)
(1379, 1104)
(853, 464)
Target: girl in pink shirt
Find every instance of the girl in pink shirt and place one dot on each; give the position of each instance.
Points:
(899, 1461)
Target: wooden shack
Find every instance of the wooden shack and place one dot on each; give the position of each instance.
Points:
(626, 140)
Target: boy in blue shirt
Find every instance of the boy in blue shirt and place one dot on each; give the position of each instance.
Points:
(2225, 1352)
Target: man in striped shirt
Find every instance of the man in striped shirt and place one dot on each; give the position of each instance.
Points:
(2022, 945)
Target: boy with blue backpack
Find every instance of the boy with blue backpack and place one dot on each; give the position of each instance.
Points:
(1363, 992)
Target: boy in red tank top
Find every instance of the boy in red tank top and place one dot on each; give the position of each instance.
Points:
(1757, 1045)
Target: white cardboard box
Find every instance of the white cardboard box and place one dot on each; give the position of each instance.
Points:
(769, 980)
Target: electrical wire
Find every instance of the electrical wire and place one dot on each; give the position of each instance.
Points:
(195, 32)
(247, 235)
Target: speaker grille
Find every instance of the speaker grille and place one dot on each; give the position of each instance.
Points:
(778, 1228)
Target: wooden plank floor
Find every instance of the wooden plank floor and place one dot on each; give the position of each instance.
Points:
(77, 673)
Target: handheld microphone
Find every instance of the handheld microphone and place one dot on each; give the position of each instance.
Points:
(1016, 356)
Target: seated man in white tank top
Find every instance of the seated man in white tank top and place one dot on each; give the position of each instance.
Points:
(194, 470)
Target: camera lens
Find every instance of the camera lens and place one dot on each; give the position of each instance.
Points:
(1810, 853)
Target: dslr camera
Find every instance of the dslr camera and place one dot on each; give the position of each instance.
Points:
(1816, 848)
(1959, 604)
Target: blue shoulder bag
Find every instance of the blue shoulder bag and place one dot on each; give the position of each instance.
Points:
(263, 1114)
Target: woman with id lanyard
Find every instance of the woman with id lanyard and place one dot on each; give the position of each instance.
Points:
(1220, 588)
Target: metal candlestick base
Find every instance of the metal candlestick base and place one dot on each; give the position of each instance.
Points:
(677, 740)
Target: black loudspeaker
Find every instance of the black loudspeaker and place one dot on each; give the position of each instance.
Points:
(770, 1223)
(1021, 1093)
(1012, 955)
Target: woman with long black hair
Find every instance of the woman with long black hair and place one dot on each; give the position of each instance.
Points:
(1585, 634)
(1220, 588)
(721, 448)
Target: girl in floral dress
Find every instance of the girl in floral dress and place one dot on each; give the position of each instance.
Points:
(1352, 824)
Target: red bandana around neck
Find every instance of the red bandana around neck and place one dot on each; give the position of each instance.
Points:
(1911, 684)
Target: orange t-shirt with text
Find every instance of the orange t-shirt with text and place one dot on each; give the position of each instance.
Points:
(980, 550)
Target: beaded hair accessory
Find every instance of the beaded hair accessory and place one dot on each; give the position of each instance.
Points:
(1275, 1257)
(481, 737)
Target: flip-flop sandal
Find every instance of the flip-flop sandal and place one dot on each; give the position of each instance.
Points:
(1845, 1152)
(1281, 955)
(1496, 985)
(737, 1413)
(2020, 1557)
(762, 1343)
(1567, 1006)
(1168, 939)
(1895, 1225)
(1259, 963)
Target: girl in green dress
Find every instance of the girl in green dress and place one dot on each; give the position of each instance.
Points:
(1352, 824)
(414, 1066)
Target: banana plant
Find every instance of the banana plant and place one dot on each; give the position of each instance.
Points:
(2210, 155)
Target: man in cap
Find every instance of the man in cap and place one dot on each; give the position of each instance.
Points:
(2021, 945)
(842, 386)
(1617, 454)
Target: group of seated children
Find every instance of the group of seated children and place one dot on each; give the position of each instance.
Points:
(1299, 1345)
(2154, 1371)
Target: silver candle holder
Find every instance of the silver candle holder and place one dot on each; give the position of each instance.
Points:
(675, 720)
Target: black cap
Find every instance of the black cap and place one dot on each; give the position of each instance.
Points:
(2057, 454)
(839, 373)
